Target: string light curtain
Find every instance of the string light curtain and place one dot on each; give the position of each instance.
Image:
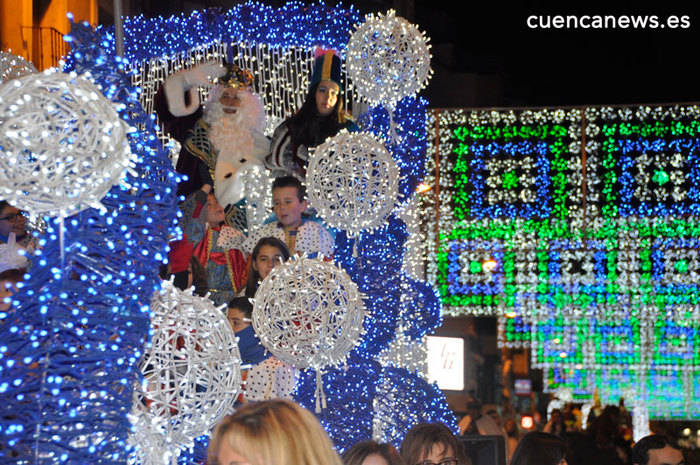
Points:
(578, 228)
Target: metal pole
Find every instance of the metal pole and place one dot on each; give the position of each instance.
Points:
(118, 27)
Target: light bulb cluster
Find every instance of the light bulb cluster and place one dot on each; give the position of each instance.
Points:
(600, 272)
(349, 391)
(63, 144)
(352, 182)
(404, 400)
(14, 66)
(308, 313)
(191, 375)
(388, 59)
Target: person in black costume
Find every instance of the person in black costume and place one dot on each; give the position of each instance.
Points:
(321, 116)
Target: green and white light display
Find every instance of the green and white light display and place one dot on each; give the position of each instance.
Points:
(579, 229)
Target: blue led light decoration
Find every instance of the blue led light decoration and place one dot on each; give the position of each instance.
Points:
(404, 400)
(349, 392)
(409, 152)
(72, 339)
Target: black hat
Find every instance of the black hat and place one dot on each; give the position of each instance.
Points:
(326, 68)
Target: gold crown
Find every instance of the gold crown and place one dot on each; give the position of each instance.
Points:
(236, 77)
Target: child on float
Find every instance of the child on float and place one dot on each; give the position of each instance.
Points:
(202, 222)
(267, 377)
(321, 116)
(267, 254)
(298, 232)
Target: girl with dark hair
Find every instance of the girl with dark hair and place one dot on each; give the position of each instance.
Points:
(321, 116)
(267, 377)
(372, 453)
(432, 443)
(267, 254)
(538, 448)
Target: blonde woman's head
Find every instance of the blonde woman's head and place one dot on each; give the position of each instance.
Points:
(270, 433)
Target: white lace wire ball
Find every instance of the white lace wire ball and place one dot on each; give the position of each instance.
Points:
(308, 313)
(62, 144)
(388, 59)
(352, 182)
(14, 66)
(191, 373)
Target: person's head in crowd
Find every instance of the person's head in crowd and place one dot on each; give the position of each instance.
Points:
(473, 408)
(492, 411)
(538, 448)
(555, 415)
(656, 449)
(267, 254)
(605, 428)
(432, 443)
(239, 313)
(273, 432)
(11, 221)
(372, 453)
(288, 201)
(322, 114)
(510, 426)
(13, 266)
(9, 282)
(213, 213)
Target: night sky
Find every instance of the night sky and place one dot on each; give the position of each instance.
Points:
(521, 66)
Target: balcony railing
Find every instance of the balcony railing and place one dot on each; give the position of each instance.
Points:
(48, 46)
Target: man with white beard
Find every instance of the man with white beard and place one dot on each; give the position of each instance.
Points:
(217, 142)
(220, 139)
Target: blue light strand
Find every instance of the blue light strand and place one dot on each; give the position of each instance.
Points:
(376, 271)
(404, 400)
(349, 391)
(410, 149)
(291, 25)
(71, 344)
(421, 307)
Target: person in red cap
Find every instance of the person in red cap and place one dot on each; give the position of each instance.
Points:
(203, 223)
(321, 116)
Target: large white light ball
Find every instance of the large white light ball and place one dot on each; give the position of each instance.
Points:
(13, 66)
(191, 372)
(62, 144)
(308, 313)
(352, 182)
(388, 59)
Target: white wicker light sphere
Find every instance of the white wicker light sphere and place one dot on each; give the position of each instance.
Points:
(191, 372)
(352, 182)
(13, 66)
(388, 59)
(308, 313)
(62, 144)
